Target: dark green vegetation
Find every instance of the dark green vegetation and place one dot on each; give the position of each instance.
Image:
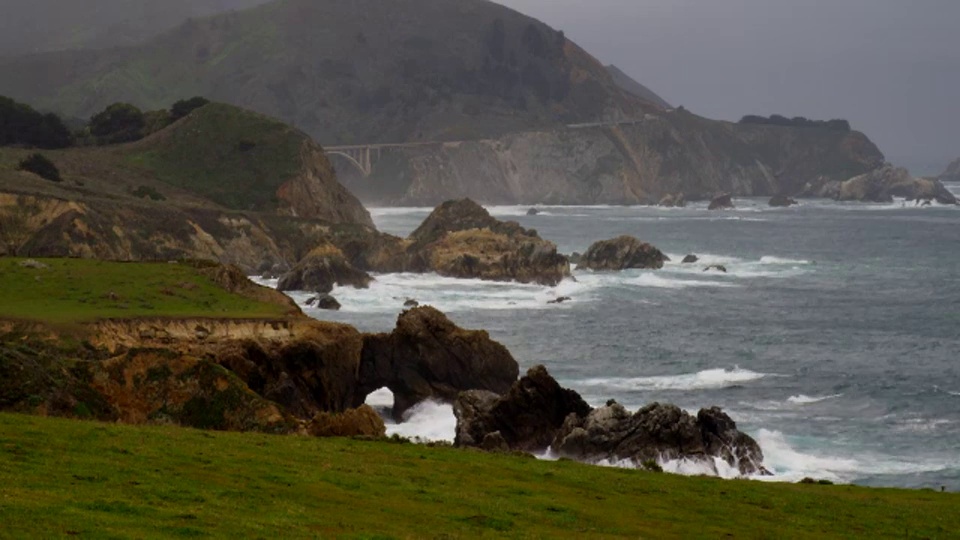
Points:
(63, 477)
(229, 156)
(21, 125)
(359, 71)
(76, 290)
(32, 26)
(40, 166)
(798, 121)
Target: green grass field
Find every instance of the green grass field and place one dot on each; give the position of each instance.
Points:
(79, 290)
(63, 477)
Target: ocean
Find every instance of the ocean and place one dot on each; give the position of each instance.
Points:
(834, 338)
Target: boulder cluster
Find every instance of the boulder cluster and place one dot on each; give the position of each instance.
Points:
(537, 414)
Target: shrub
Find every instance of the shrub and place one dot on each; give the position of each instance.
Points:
(118, 123)
(797, 121)
(147, 192)
(21, 125)
(41, 166)
(651, 465)
(186, 106)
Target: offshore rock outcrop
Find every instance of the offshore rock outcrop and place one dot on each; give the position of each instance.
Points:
(428, 357)
(461, 239)
(323, 268)
(622, 253)
(881, 185)
(537, 413)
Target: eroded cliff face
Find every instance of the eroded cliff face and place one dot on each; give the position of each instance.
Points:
(629, 163)
(50, 226)
(315, 193)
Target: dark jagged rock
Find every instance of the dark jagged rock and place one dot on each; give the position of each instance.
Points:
(461, 239)
(952, 174)
(429, 357)
(324, 301)
(782, 201)
(716, 267)
(657, 432)
(537, 412)
(575, 258)
(323, 268)
(533, 212)
(721, 202)
(622, 253)
(527, 416)
(690, 259)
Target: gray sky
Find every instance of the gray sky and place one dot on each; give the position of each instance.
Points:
(891, 67)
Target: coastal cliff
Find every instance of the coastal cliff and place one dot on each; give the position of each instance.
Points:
(637, 162)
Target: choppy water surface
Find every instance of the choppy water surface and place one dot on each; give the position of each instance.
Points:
(834, 339)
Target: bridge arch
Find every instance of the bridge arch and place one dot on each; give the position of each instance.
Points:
(364, 170)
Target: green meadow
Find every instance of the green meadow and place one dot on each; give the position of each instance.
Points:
(72, 478)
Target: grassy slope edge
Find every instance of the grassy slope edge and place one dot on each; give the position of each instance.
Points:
(79, 290)
(96, 480)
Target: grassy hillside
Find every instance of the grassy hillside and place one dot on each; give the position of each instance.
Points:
(76, 290)
(359, 71)
(233, 157)
(218, 156)
(30, 26)
(60, 477)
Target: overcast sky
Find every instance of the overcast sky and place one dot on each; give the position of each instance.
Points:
(892, 67)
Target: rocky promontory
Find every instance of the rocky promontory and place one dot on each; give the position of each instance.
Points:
(881, 185)
(537, 413)
(274, 371)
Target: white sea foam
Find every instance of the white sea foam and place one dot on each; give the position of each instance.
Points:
(702, 380)
(650, 279)
(788, 464)
(954, 393)
(426, 421)
(802, 399)
(768, 259)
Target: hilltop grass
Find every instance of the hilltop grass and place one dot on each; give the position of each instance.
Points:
(62, 477)
(79, 290)
(236, 158)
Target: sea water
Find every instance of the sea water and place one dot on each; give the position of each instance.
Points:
(833, 339)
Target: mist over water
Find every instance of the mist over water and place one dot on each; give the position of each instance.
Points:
(832, 339)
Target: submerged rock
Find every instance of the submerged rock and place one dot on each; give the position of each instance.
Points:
(782, 201)
(673, 201)
(533, 212)
(622, 253)
(324, 301)
(690, 259)
(721, 202)
(411, 303)
(429, 357)
(560, 300)
(716, 267)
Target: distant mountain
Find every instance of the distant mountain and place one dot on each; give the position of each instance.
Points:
(33, 26)
(347, 72)
(627, 83)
